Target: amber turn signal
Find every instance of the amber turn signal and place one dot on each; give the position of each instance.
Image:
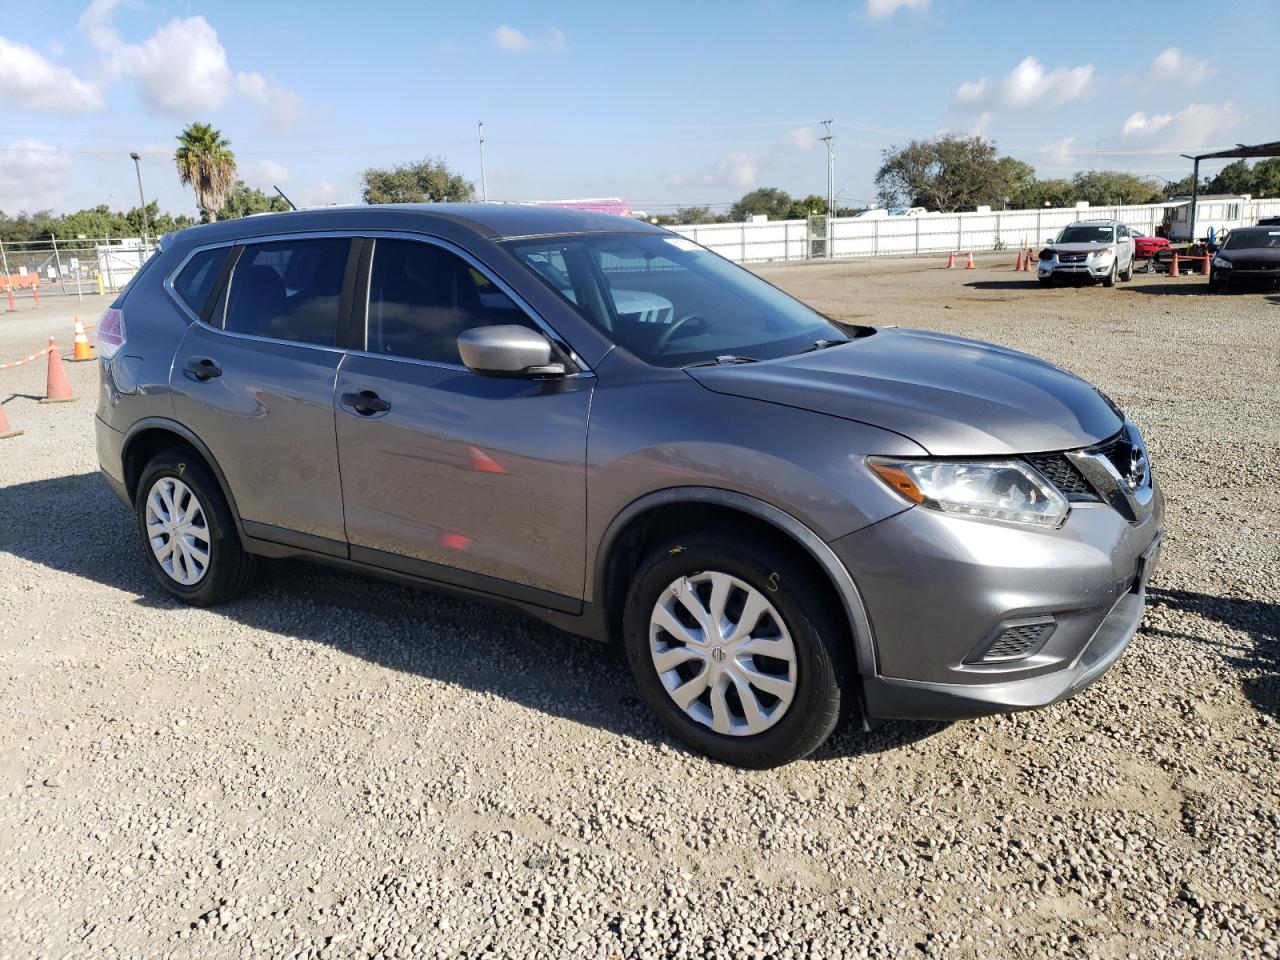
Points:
(897, 478)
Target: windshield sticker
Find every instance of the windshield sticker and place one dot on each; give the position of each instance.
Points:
(680, 243)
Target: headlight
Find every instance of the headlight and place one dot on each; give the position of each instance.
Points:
(1221, 263)
(991, 489)
(1103, 254)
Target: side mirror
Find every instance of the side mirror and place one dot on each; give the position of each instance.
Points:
(508, 351)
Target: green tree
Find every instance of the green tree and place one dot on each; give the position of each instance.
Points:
(767, 201)
(801, 209)
(243, 200)
(1045, 193)
(206, 163)
(693, 215)
(942, 173)
(1233, 178)
(429, 181)
(1103, 187)
(1019, 180)
(1266, 177)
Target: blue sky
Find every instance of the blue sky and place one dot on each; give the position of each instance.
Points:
(662, 103)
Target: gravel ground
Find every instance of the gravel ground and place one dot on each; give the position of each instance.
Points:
(337, 768)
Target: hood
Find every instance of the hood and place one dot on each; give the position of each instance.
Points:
(1079, 247)
(951, 395)
(1255, 255)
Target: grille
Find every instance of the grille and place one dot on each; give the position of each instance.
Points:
(1072, 257)
(1014, 643)
(1117, 450)
(1062, 473)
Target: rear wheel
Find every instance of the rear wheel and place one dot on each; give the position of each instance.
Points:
(188, 531)
(736, 650)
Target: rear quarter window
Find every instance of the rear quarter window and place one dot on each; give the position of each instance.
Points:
(194, 284)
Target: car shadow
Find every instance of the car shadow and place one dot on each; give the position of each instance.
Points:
(1259, 619)
(74, 524)
(1198, 286)
(1021, 284)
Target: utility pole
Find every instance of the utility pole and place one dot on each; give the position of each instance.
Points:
(831, 180)
(484, 186)
(146, 227)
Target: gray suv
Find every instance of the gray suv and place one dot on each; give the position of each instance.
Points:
(782, 520)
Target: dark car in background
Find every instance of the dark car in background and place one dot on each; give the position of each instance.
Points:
(599, 422)
(1250, 256)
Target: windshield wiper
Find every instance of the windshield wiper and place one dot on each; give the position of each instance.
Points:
(725, 360)
(823, 344)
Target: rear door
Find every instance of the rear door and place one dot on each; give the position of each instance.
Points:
(254, 381)
(473, 480)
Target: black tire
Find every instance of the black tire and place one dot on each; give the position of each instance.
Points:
(812, 619)
(230, 569)
(1128, 272)
(1046, 281)
(1110, 279)
(1217, 282)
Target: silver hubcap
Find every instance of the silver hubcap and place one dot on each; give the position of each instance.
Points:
(178, 531)
(723, 653)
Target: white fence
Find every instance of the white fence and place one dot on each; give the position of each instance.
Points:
(928, 233)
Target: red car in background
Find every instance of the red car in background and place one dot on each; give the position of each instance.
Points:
(1145, 247)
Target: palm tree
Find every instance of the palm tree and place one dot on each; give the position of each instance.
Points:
(206, 163)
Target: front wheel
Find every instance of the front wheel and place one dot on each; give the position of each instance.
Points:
(188, 531)
(1128, 272)
(1110, 279)
(1046, 281)
(1217, 282)
(736, 649)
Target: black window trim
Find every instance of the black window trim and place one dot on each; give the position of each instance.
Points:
(354, 239)
(359, 340)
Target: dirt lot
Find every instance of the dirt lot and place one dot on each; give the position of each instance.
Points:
(338, 768)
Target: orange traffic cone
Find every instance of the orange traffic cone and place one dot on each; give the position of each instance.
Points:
(57, 390)
(8, 292)
(1026, 264)
(83, 350)
(951, 261)
(35, 293)
(969, 265)
(1018, 264)
(5, 431)
(1204, 267)
(1173, 267)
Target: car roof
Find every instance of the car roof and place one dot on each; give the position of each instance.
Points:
(489, 220)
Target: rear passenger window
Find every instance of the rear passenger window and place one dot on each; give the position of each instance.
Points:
(289, 290)
(195, 282)
(422, 296)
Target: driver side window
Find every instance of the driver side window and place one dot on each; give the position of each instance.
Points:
(421, 297)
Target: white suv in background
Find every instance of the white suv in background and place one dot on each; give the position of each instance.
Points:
(1090, 250)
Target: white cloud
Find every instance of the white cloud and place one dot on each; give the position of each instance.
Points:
(33, 176)
(1058, 153)
(1194, 126)
(281, 107)
(266, 174)
(182, 68)
(512, 40)
(1027, 85)
(29, 81)
(879, 9)
(800, 138)
(1173, 66)
(739, 170)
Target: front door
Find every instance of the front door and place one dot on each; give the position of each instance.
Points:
(256, 385)
(474, 480)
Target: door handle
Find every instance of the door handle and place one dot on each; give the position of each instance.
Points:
(202, 368)
(366, 403)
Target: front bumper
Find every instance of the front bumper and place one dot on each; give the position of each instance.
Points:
(1094, 269)
(937, 588)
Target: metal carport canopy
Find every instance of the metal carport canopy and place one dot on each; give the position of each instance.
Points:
(1240, 152)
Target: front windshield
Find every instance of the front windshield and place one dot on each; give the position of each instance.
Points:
(1082, 234)
(1253, 240)
(671, 302)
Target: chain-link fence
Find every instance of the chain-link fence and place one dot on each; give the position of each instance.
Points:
(77, 268)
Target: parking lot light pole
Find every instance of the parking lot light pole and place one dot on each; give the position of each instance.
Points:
(142, 199)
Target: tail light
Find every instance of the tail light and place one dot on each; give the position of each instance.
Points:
(109, 334)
